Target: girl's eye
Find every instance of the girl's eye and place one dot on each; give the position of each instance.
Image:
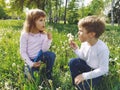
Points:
(41, 20)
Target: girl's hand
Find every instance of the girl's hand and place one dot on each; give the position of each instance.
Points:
(49, 35)
(79, 79)
(36, 64)
(73, 45)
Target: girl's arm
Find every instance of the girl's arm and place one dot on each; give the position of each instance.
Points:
(47, 42)
(23, 49)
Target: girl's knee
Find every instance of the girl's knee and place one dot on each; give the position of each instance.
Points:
(53, 54)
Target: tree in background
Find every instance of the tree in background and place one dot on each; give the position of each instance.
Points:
(3, 14)
(72, 12)
(65, 12)
(116, 12)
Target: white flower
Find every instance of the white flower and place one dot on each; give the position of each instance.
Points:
(59, 88)
(70, 36)
(14, 64)
(40, 87)
(7, 86)
(50, 81)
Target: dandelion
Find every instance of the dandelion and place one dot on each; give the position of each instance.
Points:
(50, 82)
(70, 36)
(54, 47)
(40, 87)
(59, 88)
(7, 86)
(14, 64)
(18, 66)
(118, 71)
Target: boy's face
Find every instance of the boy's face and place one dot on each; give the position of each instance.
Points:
(83, 35)
(40, 23)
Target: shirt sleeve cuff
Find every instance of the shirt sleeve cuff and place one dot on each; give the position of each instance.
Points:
(84, 76)
(76, 50)
(30, 63)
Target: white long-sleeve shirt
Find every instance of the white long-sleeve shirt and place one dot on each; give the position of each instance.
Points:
(31, 44)
(96, 56)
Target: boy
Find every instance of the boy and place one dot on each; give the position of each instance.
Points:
(93, 56)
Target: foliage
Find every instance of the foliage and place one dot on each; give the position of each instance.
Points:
(95, 8)
(11, 64)
(2, 13)
(72, 13)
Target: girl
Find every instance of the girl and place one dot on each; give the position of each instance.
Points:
(35, 42)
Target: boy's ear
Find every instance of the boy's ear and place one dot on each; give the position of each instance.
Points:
(92, 34)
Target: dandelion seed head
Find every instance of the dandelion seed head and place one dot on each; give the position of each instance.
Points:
(70, 37)
(40, 87)
(50, 81)
(14, 64)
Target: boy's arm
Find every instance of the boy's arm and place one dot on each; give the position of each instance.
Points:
(79, 52)
(103, 66)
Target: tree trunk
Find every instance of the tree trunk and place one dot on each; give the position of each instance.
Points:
(65, 12)
(112, 18)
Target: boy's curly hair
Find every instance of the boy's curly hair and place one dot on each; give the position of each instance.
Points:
(93, 24)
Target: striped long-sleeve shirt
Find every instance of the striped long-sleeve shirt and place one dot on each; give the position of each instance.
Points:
(31, 44)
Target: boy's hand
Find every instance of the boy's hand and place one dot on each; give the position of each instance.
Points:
(49, 35)
(36, 64)
(73, 45)
(78, 79)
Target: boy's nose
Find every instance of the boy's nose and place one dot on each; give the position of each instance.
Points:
(43, 23)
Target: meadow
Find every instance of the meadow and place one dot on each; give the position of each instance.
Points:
(11, 64)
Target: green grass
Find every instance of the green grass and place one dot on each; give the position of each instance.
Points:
(11, 64)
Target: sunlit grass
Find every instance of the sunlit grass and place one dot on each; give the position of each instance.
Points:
(11, 64)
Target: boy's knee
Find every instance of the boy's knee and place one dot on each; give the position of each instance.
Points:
(72, 62)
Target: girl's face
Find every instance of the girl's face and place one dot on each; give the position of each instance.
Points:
(40, 24)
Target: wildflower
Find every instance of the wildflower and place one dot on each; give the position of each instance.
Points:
(18, 66)
(118, 71)
(70, 36)
(50, 82)
(13, 65)
(7, 86)
(59, 88)
(53, 46)
(40, 87)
